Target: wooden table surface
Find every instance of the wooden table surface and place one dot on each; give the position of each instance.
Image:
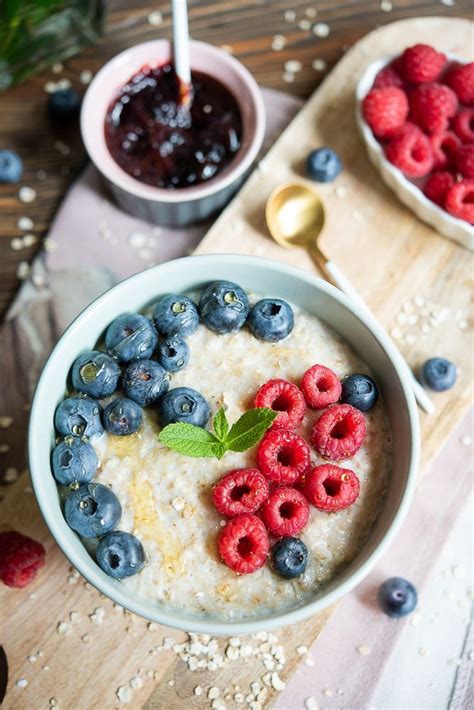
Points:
(247, 27)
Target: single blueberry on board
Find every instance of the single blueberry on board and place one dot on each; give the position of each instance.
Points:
(360, 391)
(271, 319)
(96, 374)
(78, 416)
(224, 307)
(64, 104)
(11, 167)
(131, 337)
(145, 381)
(120, 554)
(173, 353)
(183, 404)
(74, 461)
(289, 557)
(323, 165)
(397, 597)
(176, 314)
(122, 417)
(439, 374)
(92, 510)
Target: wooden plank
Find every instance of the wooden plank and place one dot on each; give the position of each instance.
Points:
(410, 260)
(247, 26)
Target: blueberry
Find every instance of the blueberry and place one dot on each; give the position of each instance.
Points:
(145, 381)
(176, 315)
(78, 416)
(74, 461)
(120, 554)
(397, 596)
(131, 337)
(323, 165)
(92, 510)
(64, 104)
(96, 374)
(224, 306)
(11, 166)
(271, 319)
(439, 374)
(173, 354)
(122, 417)
(360, 391)
(289, 557)
(183, 404)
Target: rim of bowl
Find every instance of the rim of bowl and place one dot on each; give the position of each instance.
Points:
(168, 617)
(242, 161)
(363, 87)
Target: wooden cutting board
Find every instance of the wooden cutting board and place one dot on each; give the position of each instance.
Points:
(403, 269)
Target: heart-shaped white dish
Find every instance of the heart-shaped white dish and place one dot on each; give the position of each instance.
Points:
(408, 192)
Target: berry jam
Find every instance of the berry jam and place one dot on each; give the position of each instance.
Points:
(160, 142)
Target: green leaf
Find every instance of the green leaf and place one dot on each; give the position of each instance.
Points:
(191, 440)
(249, 429)
(221, 425)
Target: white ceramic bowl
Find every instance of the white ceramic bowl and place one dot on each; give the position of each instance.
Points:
(268, 277)
(407, 192)
(189, 204)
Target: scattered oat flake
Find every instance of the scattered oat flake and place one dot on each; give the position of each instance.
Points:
(6, 422)
(311, 703)
(278, 42)
(304, 25)
(49, 244)
(25, 223)
(448, 3)
(16, 243)
(32, 659)
(178, 503)
(363, 650)
(137, 240)
(23, 270)
(227, 48)
(74, 617)
(45, 668)
(57, 68)
(155, 18)
(301, 650)
(341, 191)
(311, 12)
(290, 15)
(198, 690)
(29, 240)
(386, 6)
(288, 77)
(309, 661)
(85, 77)
(136, 682)
(292, 66)
(466, 440)
(213, 693)
(4, 448)
(319, 65)
(86, 638)
(21, 683)
(97, 616)
(53, 702)
(11, 475)
(50, 87)
(124, 694)
(321, 29)
(63, 628)
(63, 84)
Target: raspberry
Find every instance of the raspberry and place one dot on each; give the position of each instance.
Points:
(461, 81)
(460, 200)
(286, 512)
(283, 456)
(422, 63)
(388, 77)
(240, 491)
(243, 544)
(411, 152)
(320, 386)
(463, 125)
(437, 186)
(465, 161)
(431, 107)
(331, 488)
(339, 432)
(445, 146)
(385, 110)
(286, 399)
(20, 558)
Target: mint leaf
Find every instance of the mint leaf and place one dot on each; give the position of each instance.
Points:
(221, 425)
(191, 440)
(249, 429)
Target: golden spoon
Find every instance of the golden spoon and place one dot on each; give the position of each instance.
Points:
(295, 217)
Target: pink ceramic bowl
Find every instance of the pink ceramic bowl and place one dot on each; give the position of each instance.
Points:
(185, 205)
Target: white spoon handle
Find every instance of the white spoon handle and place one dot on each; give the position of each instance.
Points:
(342, 282)
(181, 41)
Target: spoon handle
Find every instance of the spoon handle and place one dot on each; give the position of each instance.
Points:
(343, 283)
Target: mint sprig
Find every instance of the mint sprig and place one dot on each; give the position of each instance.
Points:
(194, 441)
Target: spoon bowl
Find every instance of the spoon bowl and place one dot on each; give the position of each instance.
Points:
(295, 215)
